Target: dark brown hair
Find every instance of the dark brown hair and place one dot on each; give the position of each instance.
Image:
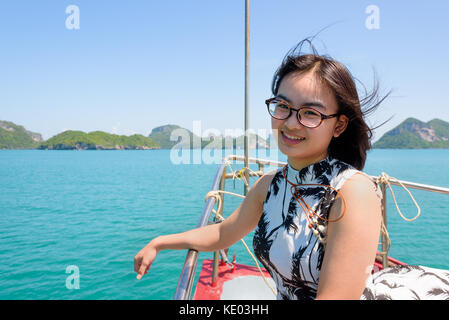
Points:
(351, 146)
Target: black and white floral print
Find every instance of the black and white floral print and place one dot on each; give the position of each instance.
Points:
(283, 242)
(408, 283)
(293, 255)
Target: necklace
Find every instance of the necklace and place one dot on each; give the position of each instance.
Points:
(312, 217)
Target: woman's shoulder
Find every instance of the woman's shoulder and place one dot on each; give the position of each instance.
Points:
(361, 187)
(262, 185)
(355, 184)
(340, 173)
(360, 200)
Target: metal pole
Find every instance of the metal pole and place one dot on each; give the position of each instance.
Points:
(217, 253)
(384, 218)
(246, 92)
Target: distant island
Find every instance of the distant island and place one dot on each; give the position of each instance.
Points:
(415, 134)
(410, 134)
(14, 136)
(97, 140)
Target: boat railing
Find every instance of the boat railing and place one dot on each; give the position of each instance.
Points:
(186, 279)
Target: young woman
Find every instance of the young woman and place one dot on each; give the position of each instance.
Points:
(318, 218)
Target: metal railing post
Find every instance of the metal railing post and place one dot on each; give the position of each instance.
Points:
(246, 143)
(384, 219)
(217, 253)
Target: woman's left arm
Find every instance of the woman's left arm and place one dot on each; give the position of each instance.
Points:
(351, 242)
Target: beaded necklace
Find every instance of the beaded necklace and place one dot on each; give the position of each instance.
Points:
(318, 230)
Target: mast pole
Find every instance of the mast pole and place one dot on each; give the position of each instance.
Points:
(246, 143)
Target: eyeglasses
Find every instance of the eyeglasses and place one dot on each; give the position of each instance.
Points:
(308, 117)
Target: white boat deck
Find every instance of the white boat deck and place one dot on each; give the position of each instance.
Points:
(248, 288)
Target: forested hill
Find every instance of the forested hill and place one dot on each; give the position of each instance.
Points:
(97, 140)
(13, 136)
(415, 134)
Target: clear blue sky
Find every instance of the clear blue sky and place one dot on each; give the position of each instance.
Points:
(135, 65)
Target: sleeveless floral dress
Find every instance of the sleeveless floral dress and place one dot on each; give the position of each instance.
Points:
(293, 254)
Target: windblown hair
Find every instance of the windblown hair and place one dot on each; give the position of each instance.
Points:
(351, 146)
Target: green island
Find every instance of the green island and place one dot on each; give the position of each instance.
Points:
(97, 140)
(13, 136)
(410, 134)
(415, 134)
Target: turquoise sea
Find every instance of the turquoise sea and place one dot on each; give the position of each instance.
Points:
(92, 211)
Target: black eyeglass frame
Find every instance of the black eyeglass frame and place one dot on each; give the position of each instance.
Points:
(298, 117)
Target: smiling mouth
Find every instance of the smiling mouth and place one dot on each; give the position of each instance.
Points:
(292, 138)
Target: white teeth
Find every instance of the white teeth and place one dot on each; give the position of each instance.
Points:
(293, 138)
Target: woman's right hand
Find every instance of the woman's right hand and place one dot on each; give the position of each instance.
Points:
(144, 259)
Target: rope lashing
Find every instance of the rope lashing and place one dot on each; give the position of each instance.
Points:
(216, 194)
(240, 174)
(385, 179)
(384, 231)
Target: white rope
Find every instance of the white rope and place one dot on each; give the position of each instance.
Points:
(240, 174)
(385, 179)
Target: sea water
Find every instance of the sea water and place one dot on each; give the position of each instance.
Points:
(71, 222)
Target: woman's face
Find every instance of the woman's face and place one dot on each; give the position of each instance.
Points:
(299, 89)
